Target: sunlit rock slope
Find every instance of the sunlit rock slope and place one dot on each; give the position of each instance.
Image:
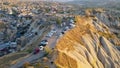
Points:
(87, 45)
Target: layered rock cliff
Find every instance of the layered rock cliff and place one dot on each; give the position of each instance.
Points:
(87, 45)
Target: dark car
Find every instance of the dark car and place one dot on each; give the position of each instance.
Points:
(63, 32)
(42, 45)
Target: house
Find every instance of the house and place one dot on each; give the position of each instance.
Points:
(7, 48)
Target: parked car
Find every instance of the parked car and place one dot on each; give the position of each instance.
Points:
(49, 34)
(63, 32)
(60, 34)
(41, 48)
(43, 43)
(53, 31)
(71, 20)
(72, 25)
(66, 28)
(36, 51)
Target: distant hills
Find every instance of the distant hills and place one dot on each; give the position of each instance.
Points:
(95, 0)
(94, 3)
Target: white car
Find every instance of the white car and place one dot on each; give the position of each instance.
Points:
(66, 28)
(41, 48)
(60, 35)
(72, 25)
(53, 31)
(49, 34)
(44, 42)
(72, 21)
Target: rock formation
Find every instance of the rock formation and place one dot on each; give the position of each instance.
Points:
(87, 45)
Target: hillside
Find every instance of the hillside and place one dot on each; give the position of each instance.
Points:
(87, 45)
(49, 34)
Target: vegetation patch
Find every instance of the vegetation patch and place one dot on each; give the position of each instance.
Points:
(6, 60)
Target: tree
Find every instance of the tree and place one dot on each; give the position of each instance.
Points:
(58, 21)
(47, 51)
(2, 25)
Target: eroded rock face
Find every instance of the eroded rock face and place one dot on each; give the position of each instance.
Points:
(87, 46)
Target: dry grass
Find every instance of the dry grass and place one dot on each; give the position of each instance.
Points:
(7, 60)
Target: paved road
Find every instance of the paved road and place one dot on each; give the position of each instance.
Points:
(28, 59)
(52, 43)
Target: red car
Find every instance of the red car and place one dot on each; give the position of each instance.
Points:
(36, 51)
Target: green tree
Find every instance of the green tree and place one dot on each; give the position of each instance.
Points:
(47, 51)
(58, 21)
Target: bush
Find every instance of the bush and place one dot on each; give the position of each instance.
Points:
(46, 67)
(58, 66)
(58, 21)
(118, 35)
(37, 65)
(30, 50)
(45, 59)
(6, 3)
(47, 51)
(2, 25)
(47, 10)
(26, 64)
(2, 15)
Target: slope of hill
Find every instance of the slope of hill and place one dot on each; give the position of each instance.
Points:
(87, 45)
(109, 17)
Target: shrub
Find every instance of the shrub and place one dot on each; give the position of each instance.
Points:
(58, 21)
(46, 67)
(30, 50)
(37, 65)
(2, 25)
(2, 15)
(118, 35)
(26, 64)
(6, 3)
(47, 51)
